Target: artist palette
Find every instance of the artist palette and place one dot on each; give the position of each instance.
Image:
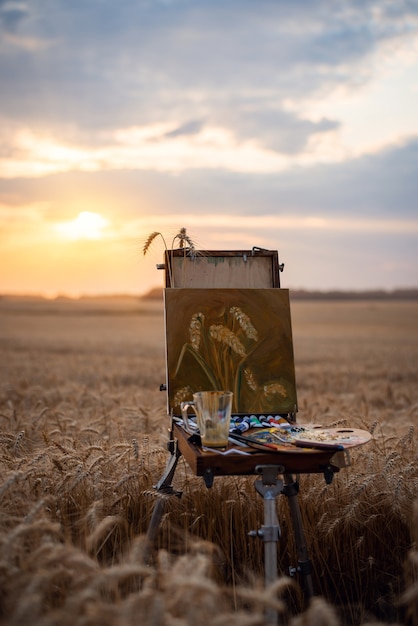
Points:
(302, 437)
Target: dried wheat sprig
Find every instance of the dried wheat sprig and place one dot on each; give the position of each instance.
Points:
(183, 238)
(79, 477)
(41, 414)
(97, 461)
(338, 422)
(89, 430)
(407, 439)
(145, 452)
(147, 245)
(34, 461)
(150, 239)
(391, 462)
(125, 479)
(63, 449)
(135, 448)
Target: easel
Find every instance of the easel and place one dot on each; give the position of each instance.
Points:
(229, 271)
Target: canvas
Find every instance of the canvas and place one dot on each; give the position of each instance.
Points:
(232, 339)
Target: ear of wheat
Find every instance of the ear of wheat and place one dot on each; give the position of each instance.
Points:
(150, 239)
(182, 237)
(183, 240)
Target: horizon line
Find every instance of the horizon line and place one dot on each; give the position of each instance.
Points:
(153, 292)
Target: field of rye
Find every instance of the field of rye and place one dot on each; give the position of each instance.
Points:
(83, 431)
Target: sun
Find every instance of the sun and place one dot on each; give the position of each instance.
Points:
(87, 225)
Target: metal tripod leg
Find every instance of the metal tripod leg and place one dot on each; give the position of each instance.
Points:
(269, 487)
(304, 567)
(164, 488)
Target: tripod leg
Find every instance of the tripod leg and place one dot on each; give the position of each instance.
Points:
(269, 487)
(270, 533)
(153, 528)
(304, 564)
(164, 488)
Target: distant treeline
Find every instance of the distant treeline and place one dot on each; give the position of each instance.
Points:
(305, 294)
(377, 294)
(295, 294)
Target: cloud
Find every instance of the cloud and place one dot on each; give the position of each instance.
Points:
(373, 187)
(230, 64)
(11, 14)
(189, 128)
(277, 130)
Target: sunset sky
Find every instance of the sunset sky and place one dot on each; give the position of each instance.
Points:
(286, 124)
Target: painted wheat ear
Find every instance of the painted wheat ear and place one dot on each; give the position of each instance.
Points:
(224, 335)
(195, 329)
(274, 388)
(245, 322)
(185, 393)
(249, 377)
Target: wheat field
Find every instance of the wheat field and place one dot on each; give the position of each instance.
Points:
(83, 432)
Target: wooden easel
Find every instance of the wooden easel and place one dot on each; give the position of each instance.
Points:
(276, 472)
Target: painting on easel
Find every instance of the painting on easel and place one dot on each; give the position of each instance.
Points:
(232, 339)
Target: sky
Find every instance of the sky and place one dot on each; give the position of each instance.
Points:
(290, 125)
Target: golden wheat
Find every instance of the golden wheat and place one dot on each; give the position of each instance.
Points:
(82, 442)
(183, 238)
(147, 243)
